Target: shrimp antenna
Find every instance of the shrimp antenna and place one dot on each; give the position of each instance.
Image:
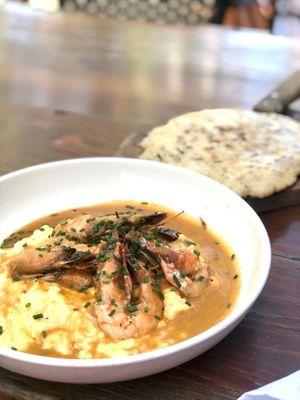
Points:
(172, 218)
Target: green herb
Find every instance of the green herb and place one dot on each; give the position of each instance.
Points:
(16, 278)
(74, 210)
(228, 305)
(54, 215)
(201, 277)
(90, 220)
(235, 276)
(1, 330)
(62, 223)
(81, 230)
(145, 279)
(146, 309)
(42, 229)
(111, 313)
(159, 157)
(98, 299)
(57, 242)
(232, 257)
(124, 270)
(25, 245)
(157, 317)
(21, 232)
(105, 282)
(14, 348)
(132, 308)
(188, 303)
(44, 334)
(38, 316)
(117, 214)
(27, 305)
(113, 302)
(159, 293)
(128, 206)
(87, 304)
(144, 202)
(176, 280)
(40, 255)
(197, 252)
(73, 229)
(182, 274)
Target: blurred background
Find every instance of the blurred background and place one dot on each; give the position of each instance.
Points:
(281, 17)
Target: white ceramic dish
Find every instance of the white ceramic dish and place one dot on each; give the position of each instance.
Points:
(33, 192)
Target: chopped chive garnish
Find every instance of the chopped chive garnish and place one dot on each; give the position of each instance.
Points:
(197, 252)
(27, 305)
(159, 293)
(145, 279)
(146, 309)
(235, 276)
(38, 316)
(182, 274)
(98, 299)
(176, 280)
(44, 334)
(1, 330)
(228, 305)
(40, 255)
(105, 282)
(87, 304)
(14, 348)
(157, 317)
(188, 303)
(111, 313)
(117, 214)
(73, 229)
(201, 277)
(132, 308)
(42, 229)
(54, 215)
(144, 202)
(232, 257)
(128, 206)
(25, 245)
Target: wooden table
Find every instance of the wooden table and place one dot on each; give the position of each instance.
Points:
(75, 86)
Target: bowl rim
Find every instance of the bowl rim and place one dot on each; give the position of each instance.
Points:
(213, 331)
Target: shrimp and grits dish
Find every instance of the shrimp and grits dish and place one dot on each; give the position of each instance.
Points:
(111, 280)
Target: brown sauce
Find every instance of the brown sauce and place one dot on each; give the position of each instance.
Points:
(218, 301)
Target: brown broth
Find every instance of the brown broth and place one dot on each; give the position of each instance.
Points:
(207, 311)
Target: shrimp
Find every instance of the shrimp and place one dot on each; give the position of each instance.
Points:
(117, 315)
(186, 270)
(37, 262)
(90, 229)
(189, 273)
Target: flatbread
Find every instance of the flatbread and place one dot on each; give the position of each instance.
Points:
(254, 154)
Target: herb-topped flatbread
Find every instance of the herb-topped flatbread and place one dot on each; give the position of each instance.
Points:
(254, 154)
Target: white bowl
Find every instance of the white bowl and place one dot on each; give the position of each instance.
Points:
(33, 192)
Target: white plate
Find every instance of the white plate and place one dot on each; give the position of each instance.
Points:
(43, 189)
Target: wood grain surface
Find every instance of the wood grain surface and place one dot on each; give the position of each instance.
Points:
(74, 86)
